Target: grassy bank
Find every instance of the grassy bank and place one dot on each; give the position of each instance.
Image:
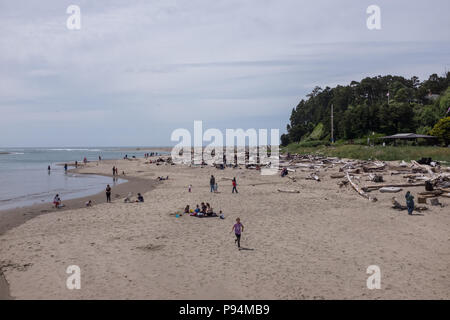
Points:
(387, 153)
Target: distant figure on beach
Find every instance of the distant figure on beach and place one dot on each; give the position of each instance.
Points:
(409, 202)
(57, 201)
(234, 185)
(48, 168)
(89, 203)
(114, 170)
(190, 188)
(108, 193)
(85, 160)
(65, 167)
(140, 197)
(187, 209)
(238, 229)
(99, 158)
(221, 215)
(76, 164)
(212, 182)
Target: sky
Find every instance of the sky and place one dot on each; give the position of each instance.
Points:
(138, 70)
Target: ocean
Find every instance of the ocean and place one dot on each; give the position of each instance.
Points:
(24, 178)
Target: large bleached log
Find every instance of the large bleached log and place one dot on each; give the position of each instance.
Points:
(398, 185)
(376, 167)
(358, 189)
(427, 168)
(288, 191)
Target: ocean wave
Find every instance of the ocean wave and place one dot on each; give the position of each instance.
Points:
(69, 149)
(8, 152)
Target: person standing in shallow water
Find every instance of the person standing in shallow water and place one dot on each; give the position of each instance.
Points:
(108, 193)
(238, 228)
(409, 202)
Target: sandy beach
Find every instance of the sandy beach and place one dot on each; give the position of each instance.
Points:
(315, 244)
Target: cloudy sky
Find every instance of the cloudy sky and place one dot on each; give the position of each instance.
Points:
(137, 70)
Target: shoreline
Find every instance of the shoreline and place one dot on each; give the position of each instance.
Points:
(12, 218)
(304, 239)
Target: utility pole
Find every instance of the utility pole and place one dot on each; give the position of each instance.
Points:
(332, 129)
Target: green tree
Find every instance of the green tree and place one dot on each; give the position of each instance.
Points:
(442, 130)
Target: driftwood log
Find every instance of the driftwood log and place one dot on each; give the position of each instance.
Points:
(288, 191)
(359, 190)
(398, 185)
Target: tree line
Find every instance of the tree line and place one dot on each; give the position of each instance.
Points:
(383, 105)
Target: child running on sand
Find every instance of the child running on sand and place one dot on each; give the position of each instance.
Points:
(238, 229)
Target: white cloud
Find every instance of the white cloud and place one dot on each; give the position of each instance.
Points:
(170, 61)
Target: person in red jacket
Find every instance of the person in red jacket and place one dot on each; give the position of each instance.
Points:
(234, 185)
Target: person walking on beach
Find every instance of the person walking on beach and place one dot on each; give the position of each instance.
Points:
(409, 202)
(48, 168)
(212, 182)
(234, 185)
(65, 167)
(114, 171)
(108, 193)
(238, 228)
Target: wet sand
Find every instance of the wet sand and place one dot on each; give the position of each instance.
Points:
(12, 218)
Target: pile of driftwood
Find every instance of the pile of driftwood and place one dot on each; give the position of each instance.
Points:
(432, 176)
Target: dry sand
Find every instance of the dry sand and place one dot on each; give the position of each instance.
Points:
(316, 244)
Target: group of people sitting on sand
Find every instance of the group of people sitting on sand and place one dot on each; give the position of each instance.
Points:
(128, 199)
(204, 210)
